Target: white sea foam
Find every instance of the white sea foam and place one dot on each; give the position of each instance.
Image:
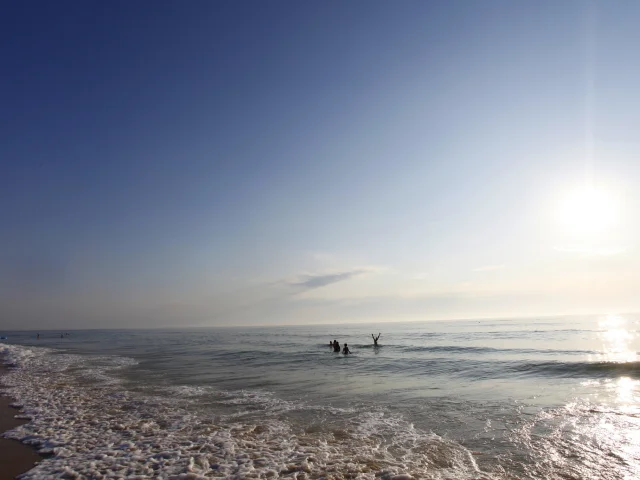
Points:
(99, 430)
(267, 403)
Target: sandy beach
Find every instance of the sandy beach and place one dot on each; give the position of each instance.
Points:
(15, 457)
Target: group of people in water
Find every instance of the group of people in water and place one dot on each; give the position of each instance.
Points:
(345, 350)
(336, 347)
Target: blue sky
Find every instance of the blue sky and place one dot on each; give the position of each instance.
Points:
(217, 163)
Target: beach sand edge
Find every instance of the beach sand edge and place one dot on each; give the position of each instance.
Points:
(15, 457)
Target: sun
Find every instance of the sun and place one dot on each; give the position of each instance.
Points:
(588, 211)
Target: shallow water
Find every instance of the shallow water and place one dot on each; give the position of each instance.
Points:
(549, 398)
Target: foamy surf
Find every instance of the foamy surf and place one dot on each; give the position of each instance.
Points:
(92, 426)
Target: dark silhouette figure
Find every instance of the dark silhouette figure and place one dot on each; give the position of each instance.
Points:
(336, 346)
(375, 339)
(346, 350)
(38, 337)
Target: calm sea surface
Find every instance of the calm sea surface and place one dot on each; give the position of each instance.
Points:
(504, 399)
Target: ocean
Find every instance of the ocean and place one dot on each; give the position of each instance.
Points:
(551, 398)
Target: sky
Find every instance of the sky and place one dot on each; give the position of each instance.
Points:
(255, 163)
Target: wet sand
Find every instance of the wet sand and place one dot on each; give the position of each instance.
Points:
(15, 457)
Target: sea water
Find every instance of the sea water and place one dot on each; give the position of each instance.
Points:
(494, 399)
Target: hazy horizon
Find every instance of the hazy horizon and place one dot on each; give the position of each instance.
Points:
(366, 333)
(236, 163)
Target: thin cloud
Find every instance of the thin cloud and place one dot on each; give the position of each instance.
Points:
(309, 282)
(274, 296)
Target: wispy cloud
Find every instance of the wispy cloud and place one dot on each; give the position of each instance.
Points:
(308, 282)
(488, 268)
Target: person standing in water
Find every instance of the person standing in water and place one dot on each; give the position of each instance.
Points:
(346, 350)
(375, 339)
(336, 346)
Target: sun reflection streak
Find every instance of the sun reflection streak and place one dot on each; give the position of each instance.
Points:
(625, 388)
(617, 340)
(618, 345)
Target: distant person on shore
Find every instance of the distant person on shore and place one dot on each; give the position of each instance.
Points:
(336, 346)
(346, 350)
(375, 339)
(38, 337)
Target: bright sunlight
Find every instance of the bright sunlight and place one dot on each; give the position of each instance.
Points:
(588, 211)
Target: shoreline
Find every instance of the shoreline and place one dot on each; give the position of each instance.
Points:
(15, 457)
